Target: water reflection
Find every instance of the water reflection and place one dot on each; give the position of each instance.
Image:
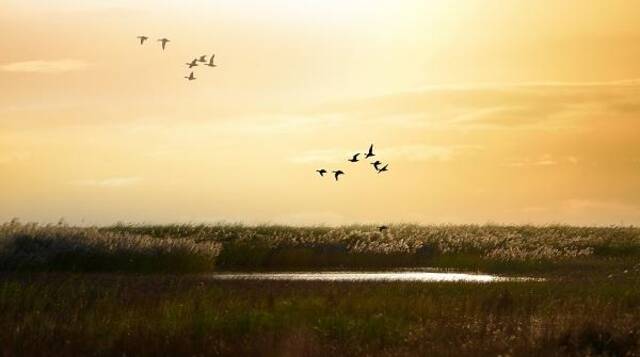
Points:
(366, 276)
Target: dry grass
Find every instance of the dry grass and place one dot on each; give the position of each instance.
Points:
(192, 248)
(59, 247)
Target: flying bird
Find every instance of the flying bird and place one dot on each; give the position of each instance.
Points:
(383, 169)
(376, 164)
(142, 39)
(203, 58)
(191, 77)
(192, 63)
(321, 172)
(211, 64)
(383, 228)
(164, 42)
(337, 173)
(369, 153)
(355, 158)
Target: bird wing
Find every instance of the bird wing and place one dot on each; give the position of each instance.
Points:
(371, 149)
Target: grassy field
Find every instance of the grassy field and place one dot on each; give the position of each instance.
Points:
(66, 314)
(139, 290)
(200, 248)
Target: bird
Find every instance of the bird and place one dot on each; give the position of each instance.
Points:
(164, 42)
(337, 173)
(369, 153)
(354, 158)
(383, 169)
(376, 164)
(192, 63)
(321, 172)
(383, 228)
(191, 77)
(142, 39)
(211, 64)
(203, 58)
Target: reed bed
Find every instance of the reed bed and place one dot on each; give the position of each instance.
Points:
(202, 248)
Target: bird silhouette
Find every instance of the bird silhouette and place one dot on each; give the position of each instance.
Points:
(376, 164)
(369, 153)
(211, 64)
(142, 39)
(337, 173)
(191, 77)
(355, 158)
(383, 228)
(192, 63)
(321, 172)
(203, 58)
(164, 42)
(383, 169)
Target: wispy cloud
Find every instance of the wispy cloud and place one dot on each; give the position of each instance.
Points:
(506, 105)
(543, 160)
(622, 211)
(12, 157)
(414, 153)
(108, 182)
(320, 156)
(54, 66)
(420, 152)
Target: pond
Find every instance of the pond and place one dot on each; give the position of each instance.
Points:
(415, 276)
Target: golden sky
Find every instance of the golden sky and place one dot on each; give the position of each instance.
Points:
(486, 111)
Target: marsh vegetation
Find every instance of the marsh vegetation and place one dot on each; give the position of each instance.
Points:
(205, 248)
(146, 290)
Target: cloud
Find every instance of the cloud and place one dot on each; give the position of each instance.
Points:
(109, 182)
(501, 104)
(543, 160)
(49, 67)
(420, 152)
(611, 211)
(319, 156)
(12, 157)
(413, 153)
(313, 219)
(584, 211)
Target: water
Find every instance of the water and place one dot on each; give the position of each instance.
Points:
(415, 276)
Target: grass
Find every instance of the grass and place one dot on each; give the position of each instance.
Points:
(65, 314)
(130, 290)
(204, 248)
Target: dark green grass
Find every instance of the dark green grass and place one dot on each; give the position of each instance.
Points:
(106, 315)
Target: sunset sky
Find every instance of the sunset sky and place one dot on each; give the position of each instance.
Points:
(486, 111)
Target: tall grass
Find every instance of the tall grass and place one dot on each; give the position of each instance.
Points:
(179, 248)
(59, 247)
(103, 315)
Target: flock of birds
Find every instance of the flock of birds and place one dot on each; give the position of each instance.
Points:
(193, 63)
(336, 173)
(376, 164)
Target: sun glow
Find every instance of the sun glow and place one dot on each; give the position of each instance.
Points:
(95, 126)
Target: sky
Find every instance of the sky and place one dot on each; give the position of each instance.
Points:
(487, 111)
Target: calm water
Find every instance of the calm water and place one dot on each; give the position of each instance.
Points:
(366, 276)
